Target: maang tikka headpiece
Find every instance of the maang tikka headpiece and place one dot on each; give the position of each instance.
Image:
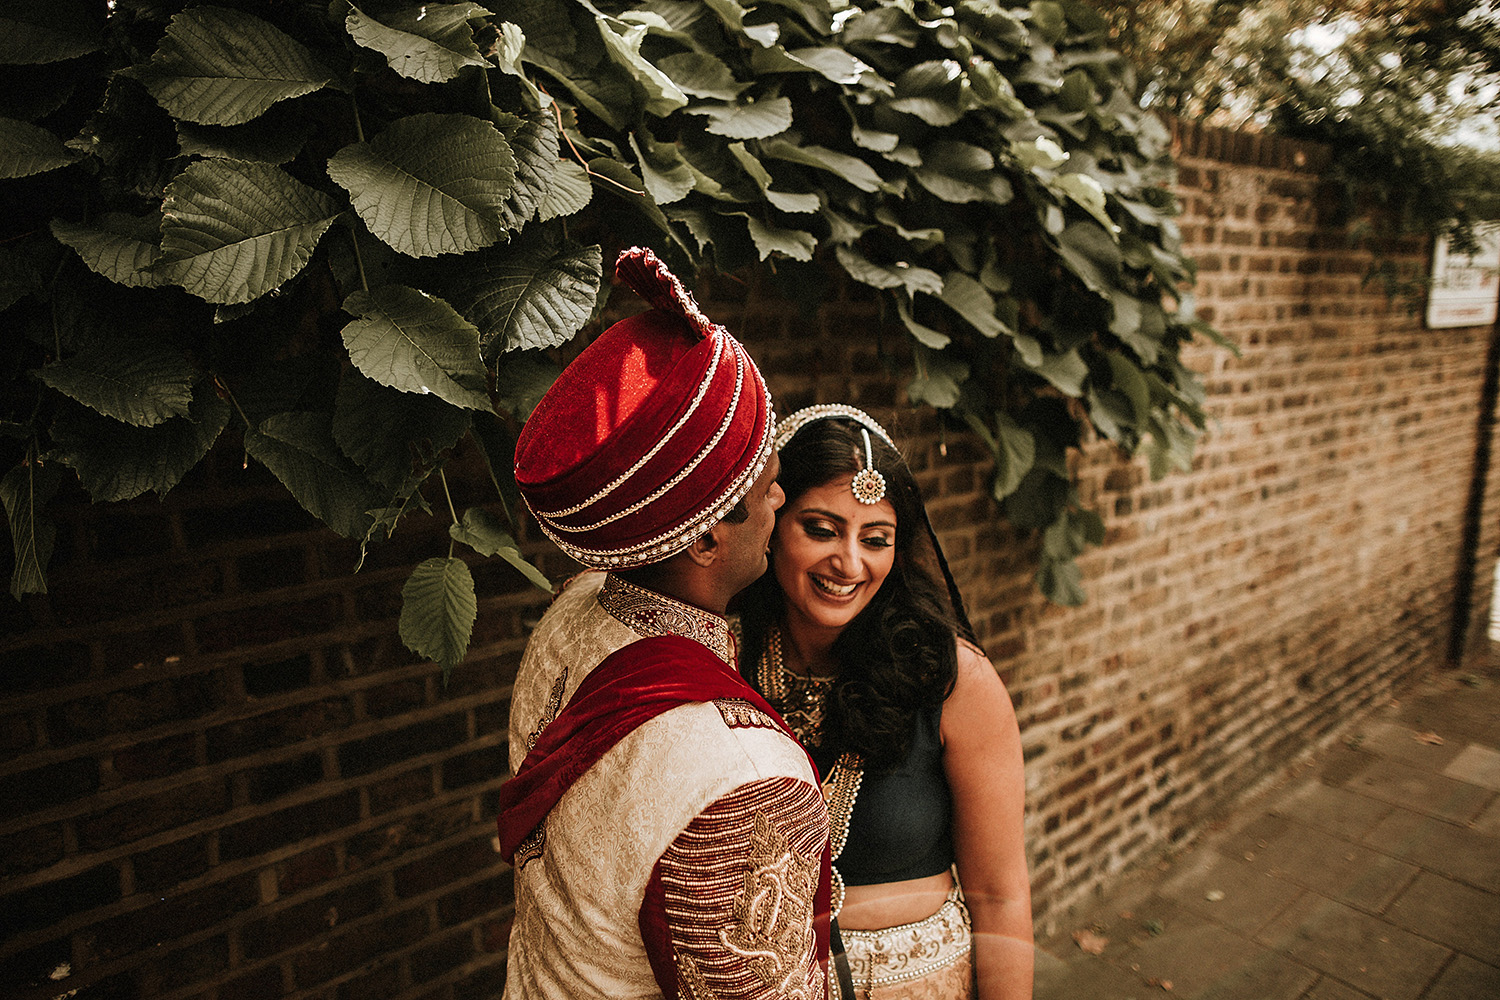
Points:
(868, 485)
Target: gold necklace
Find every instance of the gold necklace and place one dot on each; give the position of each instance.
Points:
(802, 702)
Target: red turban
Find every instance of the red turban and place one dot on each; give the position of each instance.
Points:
(651, 436)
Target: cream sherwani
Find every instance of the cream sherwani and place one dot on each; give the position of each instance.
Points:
(711, 804)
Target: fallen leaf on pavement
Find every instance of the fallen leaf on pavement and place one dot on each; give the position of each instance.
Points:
(1090, 942)
(1214, 895)
(1432, 738)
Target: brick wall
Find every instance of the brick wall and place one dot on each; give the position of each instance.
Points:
(225, 777)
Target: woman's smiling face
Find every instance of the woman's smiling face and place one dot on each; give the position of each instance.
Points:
(831, 553)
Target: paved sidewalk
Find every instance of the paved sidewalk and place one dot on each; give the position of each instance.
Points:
(1374, 873)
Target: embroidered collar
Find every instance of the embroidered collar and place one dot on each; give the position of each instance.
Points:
(653, 614)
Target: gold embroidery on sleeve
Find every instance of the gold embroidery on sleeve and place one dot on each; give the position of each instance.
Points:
(554, 706)
(773, 909)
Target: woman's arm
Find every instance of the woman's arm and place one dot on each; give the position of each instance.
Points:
(982, 758)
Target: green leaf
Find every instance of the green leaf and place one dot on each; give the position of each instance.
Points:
(1131, 381)
(1061, 582)
(1038, 499)
(1086, 191)
(430, 43)
(971, 300)
(787, 202)
(667, 175)
(899, 275)
(275, 137)
(831, 62)
(483, 533)
(27, 149)
(387, 431)
(938, 378)
(409, 340)
(931, 91)
(1015, 453)
(568, 193)
(26, 490)
(136, 382)
(850, 168)
(217, 66)
(430, 183)
(624, 47)
(233, 230)
(121, 247)
(1066, 371)
(925, 335)
(960, 173)
(1092, 255)
(35, 33)
(299, 449)
(522, 378)
(535, 147)
(116, 461)
(702, 75)
(757, 120)
(769, 239)
(533, 297)
(438, 609)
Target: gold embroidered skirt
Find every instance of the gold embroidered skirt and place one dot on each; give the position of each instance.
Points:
(926, 960)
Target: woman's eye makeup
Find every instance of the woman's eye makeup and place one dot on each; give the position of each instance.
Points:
(877, 541)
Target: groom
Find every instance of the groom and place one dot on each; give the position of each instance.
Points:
(667, 832)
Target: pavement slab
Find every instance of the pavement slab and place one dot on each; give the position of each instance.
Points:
(1230, 891)
(1476, 765)
(1452, 914)
(1419, 790)
(1373, 874)
(1459, 852)
(1335, 810)
(1332, 989)
(1398, 740)
(1466, 979)
(1336, 868)
(1356, 948)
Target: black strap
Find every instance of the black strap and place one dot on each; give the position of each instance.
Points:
(840, 963)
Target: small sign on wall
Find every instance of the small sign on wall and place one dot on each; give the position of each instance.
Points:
(1464, 289)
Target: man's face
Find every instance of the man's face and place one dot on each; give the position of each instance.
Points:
(745, 544)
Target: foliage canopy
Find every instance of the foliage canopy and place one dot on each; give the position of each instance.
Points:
(1405, 91)
(349, 233)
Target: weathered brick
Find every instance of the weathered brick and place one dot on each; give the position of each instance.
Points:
(286, 929)
(262, 625)
(384, 749)
(157, 758)
(161, 868)
(50, 785)
(437, 869)
(476, 899)
(442, 954)
(173, 917)
(268, 678)
(140, 817)
(30, 850)
(132, 709)
(46, 904)
(485, 764)
(350, 950)
(279, 728)
(401, 790)
(33, 668)
(259, 984)
(287, 826)
(271, 781)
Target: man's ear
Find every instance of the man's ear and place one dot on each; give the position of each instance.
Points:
(706, 547)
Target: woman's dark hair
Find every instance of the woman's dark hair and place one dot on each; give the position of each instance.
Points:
(901, 646)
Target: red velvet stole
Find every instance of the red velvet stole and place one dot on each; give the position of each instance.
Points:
(631, 686)
(628, 688)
